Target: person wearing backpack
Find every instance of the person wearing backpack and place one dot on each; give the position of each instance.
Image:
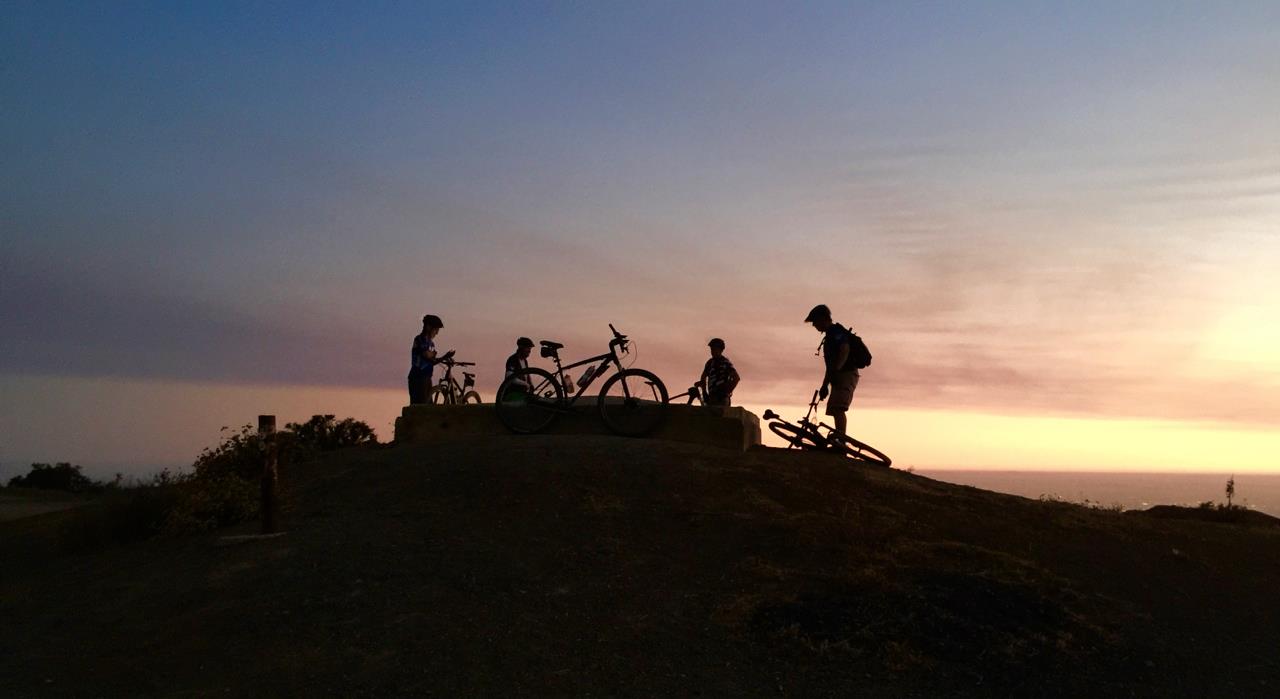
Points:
(843, 353)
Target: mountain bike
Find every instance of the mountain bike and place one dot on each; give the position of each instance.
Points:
(691, 395)
(448, 392)
(810, 435)
(632, 402)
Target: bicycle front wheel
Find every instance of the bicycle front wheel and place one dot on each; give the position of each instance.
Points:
(796, 436)
(862, 451)
(441, 395)
(529, 400)
(633, 402)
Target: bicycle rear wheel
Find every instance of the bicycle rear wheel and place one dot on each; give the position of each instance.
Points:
(528, 401)
(471, 397)
(797, 436)
(862, 451)
(633, 402)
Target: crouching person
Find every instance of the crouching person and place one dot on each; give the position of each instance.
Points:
(518, 362)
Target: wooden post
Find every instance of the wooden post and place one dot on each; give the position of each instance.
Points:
(266, 428)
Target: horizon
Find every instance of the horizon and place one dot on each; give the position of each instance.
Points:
(1055, 227)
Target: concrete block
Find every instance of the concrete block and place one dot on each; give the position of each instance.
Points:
(730, 428)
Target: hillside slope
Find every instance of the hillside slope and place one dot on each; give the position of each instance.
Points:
(594, 565)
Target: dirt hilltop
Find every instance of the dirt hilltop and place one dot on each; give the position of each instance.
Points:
(588, 565)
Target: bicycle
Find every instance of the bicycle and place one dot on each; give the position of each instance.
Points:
(693, 394)
(448, 392)
(632, 402)
(809, 435)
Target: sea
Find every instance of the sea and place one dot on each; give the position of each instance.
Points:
(1131, 491)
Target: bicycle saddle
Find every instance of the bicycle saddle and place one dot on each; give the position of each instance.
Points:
(549, 348)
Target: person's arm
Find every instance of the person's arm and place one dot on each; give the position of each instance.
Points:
(841, 356)
(429, 352)
(733, 380)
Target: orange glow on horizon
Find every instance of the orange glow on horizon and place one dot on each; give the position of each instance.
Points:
(107, 424)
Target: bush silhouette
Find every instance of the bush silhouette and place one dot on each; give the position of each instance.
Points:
(324, 433)
(59, 476)
(221, 489)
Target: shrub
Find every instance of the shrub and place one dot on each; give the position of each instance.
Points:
(324, 433)
(204, 504)
(239, 454)
(124, 514)
(221, 489)
(60, 476)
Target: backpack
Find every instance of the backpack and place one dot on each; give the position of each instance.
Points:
(859, 355)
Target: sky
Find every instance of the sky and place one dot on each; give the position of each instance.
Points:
(1056, 225)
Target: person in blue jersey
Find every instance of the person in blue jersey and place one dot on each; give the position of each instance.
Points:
(841, 377)
(423, 359)
(719, 378)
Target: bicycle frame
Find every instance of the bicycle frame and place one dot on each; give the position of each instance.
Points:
(604, 359)
(805, 423)
(813, 406)
(449, 382)
(693, 394)
(619, 342)
(812, 431)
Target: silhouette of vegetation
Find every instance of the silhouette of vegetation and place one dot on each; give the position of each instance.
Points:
(126, 513)
(221, 489)
(60, 476)
(1231, 490)
(1090, 504)
(324, 433)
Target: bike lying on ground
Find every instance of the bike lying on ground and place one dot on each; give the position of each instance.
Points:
(448, 392)
(810, 435)
(632, 402)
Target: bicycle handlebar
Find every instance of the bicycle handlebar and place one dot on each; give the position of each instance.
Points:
(618, 339)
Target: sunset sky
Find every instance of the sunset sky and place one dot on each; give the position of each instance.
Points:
(1057, 225)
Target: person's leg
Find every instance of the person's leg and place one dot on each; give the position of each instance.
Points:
(842, 423)
(842, 386)
(417, 387)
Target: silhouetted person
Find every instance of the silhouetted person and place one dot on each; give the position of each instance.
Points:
(719, 378)
(519, 361)
(841, 376)
(422, 359)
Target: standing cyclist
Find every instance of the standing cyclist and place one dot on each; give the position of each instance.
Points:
(422, 359)
(841, 375)
(719, 378)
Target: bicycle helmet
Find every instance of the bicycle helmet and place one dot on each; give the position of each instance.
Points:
(716, 342)
(432, 321)
(524, 342)
(819, 312)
